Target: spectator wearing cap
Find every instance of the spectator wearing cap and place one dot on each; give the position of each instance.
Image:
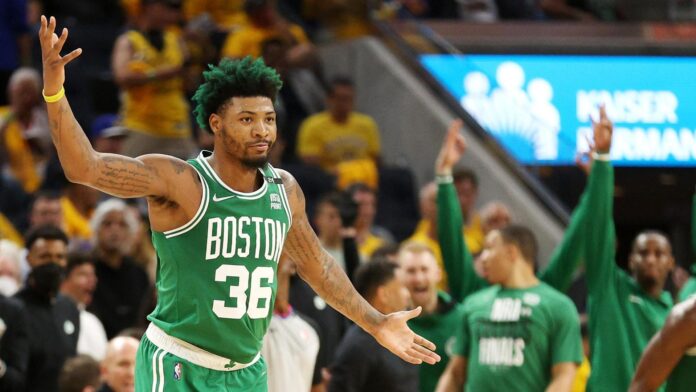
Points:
(106, 136)
(266, 23)
(148, 65)
(53, 321)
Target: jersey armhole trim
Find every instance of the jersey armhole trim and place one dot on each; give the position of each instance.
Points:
(283, 196)
(202, 207)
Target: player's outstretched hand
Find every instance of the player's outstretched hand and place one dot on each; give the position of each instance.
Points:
(452, 149)
(53, 63)
(398, 338)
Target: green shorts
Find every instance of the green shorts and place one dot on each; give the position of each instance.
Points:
(159, 371)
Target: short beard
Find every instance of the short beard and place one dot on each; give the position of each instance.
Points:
(647, 283)
(255, 163)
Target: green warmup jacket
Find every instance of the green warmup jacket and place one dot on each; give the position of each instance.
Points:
(622, 317)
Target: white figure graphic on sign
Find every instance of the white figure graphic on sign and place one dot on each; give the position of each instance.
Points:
(548, 120)
(476, 102)
(510, 109)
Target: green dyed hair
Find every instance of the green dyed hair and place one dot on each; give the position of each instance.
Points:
(233, 78)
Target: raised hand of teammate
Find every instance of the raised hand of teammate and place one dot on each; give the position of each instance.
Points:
(452, 149)
(53, 62)
(395, 335)
(603, 129)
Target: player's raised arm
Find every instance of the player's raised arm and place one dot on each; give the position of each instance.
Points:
(114, 174)
(327, 278)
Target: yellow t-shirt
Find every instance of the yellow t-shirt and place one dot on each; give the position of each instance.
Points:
(369, 246)
(228, 14)
(20, 157)
(320, 136)
(473, 235)
(247, 41)
(581, 377)
(76, 225)
(8, 231)
(157, 108)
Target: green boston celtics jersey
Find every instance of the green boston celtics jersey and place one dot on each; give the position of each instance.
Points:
(513, 337)
(216, 275)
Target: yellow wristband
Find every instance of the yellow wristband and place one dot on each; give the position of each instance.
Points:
(54, 98)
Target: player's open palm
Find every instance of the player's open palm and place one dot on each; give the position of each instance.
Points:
(397, 337)
(452, 149)
(53, 63)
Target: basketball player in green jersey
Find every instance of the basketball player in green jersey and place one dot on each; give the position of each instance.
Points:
(220, 223)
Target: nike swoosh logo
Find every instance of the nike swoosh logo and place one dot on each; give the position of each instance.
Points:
(217, 199)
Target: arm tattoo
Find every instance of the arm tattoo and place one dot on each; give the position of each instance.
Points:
(319, 269)
(123, 176)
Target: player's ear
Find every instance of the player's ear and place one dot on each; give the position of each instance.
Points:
(215, 123)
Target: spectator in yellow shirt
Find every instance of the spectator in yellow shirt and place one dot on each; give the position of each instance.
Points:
(25, 138)
(338, 134)
(266, 23)
(148, 65)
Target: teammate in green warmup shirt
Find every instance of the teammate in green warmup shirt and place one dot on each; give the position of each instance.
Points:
(624, 311)
(220, 223)
(442, 311)
(546, 304)
(671, 354)
(518, 335)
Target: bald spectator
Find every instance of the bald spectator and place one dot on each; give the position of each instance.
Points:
(122, 284)
(53, 321)
(10, 272)
(79, 284)
(118, 367)
(495, 215)
(79, 374)
(25, 139)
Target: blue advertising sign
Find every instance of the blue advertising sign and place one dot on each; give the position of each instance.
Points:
(540, 106)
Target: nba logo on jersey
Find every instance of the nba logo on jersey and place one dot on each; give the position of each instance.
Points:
(177, 371)
(275, 201)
